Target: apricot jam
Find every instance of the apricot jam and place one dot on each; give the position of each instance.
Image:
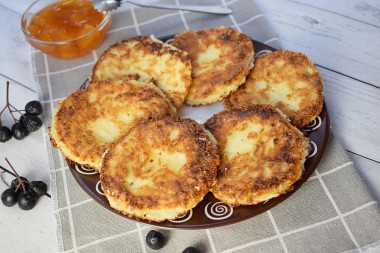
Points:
(68, 28)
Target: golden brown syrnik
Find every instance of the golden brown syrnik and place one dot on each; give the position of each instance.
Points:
(150, 60)
(285, 79)
(87, 121)
(261, 154)
(160, 169)
(221, 58)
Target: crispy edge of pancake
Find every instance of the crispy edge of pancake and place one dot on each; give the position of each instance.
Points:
(261, 72)
(220, 83)
(200, 176)
(150, 45)
(57, 136)
(276, 187)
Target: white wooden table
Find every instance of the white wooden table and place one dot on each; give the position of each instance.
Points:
(341, 38)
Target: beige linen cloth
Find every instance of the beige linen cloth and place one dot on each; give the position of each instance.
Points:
(332, 212)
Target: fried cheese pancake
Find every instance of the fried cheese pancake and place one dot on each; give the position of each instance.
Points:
(149, 60)
(261, 154)
(221, 59)
(285, 79)
(160, 169)
(87, 121)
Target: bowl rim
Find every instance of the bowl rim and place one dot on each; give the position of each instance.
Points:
(27, 34)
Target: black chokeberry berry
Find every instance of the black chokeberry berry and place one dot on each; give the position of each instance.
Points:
(33, 107)
(31, 122)
(15, 182)
(38, 187)
(26, 200)
(21, 119)
(5, 134)
(191, 250)
(9, 196)
(19, 132)
(155, 240)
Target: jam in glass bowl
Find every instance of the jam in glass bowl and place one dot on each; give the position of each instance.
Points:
(65, 29)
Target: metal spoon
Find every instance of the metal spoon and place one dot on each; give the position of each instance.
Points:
(108, 5)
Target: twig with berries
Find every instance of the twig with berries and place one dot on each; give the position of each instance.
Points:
(27, 122)
(21, 191)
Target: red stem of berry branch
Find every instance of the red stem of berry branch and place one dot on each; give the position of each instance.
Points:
(18, 177)
(6, 105)
(2, 178)
(7, 92)
(10, 165)
(10, 107)
(15, 110)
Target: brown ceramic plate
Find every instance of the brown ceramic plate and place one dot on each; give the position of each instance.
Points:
(210, 212)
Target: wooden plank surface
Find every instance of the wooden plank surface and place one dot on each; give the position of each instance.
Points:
(352, 107)
(14, 53)
(365, 11)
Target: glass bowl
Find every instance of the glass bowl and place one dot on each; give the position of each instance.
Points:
(69, 48)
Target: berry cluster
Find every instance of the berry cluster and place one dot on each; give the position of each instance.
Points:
(23, 192)
(156, 240)
(27, 122)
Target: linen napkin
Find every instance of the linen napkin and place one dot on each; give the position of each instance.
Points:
(332, 212)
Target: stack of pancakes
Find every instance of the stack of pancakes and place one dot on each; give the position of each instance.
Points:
(155, 165)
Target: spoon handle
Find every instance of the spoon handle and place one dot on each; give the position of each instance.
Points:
(206, 8)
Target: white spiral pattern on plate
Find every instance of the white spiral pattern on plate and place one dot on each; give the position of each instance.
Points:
(313, 149)
(218, 211)
(168, 41)
(84, 170)
(183, 218)
(99, 188)
(262, 52)
(315, 124)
